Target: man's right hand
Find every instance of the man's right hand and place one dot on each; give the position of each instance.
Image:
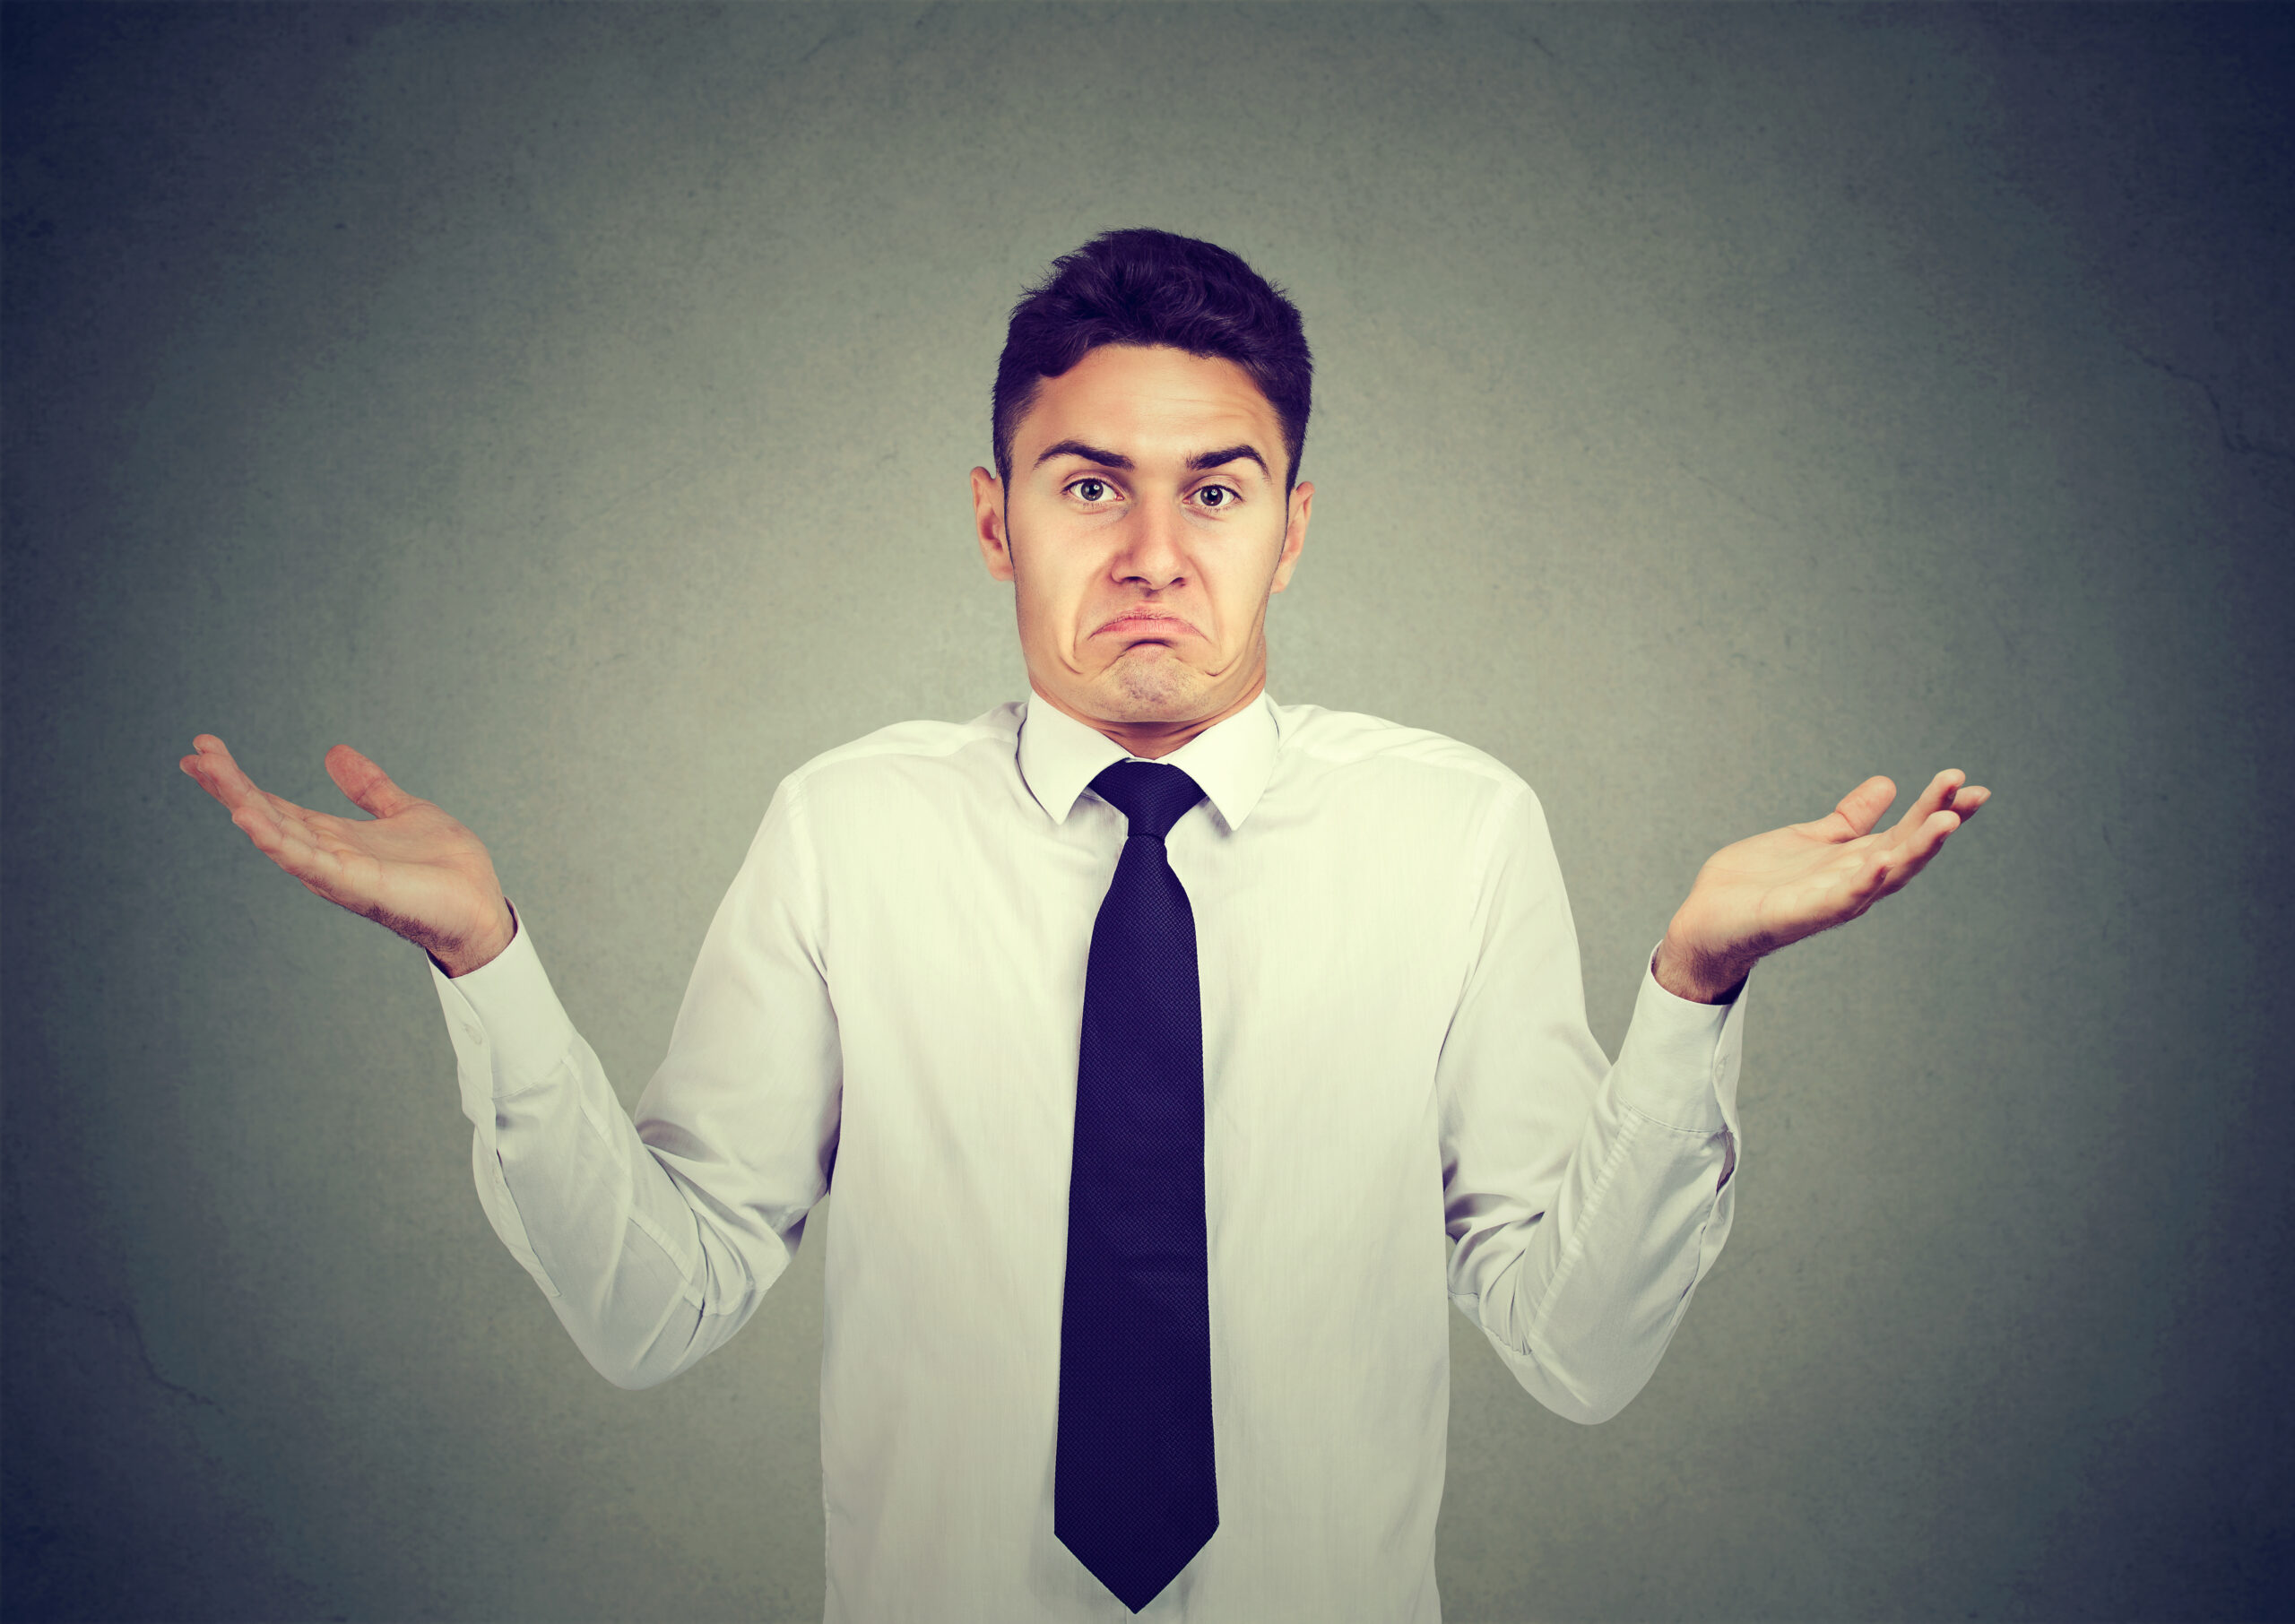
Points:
(409, 868)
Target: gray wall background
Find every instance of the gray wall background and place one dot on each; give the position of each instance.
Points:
(571, 407)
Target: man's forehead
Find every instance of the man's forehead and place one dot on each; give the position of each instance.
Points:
(1149, 403)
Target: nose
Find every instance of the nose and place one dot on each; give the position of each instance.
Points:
(1151, 556)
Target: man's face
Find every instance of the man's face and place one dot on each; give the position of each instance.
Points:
(1145, 527)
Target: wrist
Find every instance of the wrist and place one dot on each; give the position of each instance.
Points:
(1698, 974)
(478, 951)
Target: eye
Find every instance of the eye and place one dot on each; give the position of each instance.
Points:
(1219, 496)
(1092, 490)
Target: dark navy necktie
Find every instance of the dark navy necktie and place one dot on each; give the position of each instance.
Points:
(1133, 1495)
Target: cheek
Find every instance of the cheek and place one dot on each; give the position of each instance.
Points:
(1059, 572)
(1049, 597)
(1236, 585)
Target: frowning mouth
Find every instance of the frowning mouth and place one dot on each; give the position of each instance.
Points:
(1140, 621)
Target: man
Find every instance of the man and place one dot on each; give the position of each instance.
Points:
(1174, 1053)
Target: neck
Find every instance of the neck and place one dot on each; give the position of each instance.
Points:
(1153, 740)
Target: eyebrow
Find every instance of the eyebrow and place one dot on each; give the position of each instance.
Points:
(1116, 459)
(1090, 454)
(1229, 453)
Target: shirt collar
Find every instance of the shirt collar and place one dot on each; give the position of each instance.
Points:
(1232, 760)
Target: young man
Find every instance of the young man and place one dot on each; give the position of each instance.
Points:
(1174, 1054)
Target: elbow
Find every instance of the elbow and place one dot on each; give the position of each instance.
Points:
(1590, 1366)
(1587, 1392)
(630, 1366)
(635, 1370)
(1589, 1398)
(632, 1360)
(1592, 1408)
(638, 1329)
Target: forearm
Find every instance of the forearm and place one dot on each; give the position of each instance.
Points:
(1606, 1276)
(642, 1283)
(1582, 1299)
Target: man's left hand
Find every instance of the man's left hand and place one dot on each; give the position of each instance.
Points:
(1760, 894)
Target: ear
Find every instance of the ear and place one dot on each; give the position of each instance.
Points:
(1294, 534)
(988, 520)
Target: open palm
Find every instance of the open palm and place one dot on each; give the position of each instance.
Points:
(410, 866)
(1762, 893)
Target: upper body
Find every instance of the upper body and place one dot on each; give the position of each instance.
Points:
(1397, 1085)
(1402, 1104)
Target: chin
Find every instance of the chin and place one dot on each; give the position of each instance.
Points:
(1159, 690)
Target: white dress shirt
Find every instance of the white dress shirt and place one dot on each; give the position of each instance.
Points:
(1402, 1105)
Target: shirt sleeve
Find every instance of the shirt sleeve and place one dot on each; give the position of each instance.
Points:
(654, 1238)
(1584, 1200)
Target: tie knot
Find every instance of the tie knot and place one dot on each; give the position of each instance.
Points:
(1152, 795)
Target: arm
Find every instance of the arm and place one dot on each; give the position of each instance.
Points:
(1585, 1200)
(655, 1239)
(1588, 1201)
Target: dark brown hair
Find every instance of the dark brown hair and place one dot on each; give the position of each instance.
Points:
(1147, 286)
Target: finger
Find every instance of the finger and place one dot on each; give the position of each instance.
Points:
(263, 827)
(1913, 855)
(1936, 797)
(306, 854)
(1858, 810)
(366, 784)
(211, 767)
(282, 840)
(312, 823)
(1968, 800)
(315, 835)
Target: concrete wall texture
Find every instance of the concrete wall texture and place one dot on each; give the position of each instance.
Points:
(571, 407)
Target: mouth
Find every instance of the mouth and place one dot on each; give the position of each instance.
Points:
(1147, 623)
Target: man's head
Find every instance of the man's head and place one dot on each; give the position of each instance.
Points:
(1150, 408)
(1149, 288)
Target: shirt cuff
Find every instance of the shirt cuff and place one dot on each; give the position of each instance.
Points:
(1679, 1063)
(508, 1030)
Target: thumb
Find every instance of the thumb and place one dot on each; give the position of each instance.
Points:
(1862, 806)
(366, 784)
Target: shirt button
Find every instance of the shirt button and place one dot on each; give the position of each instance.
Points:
(477, 1035)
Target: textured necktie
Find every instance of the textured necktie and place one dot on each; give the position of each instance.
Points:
(1133, 1495)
